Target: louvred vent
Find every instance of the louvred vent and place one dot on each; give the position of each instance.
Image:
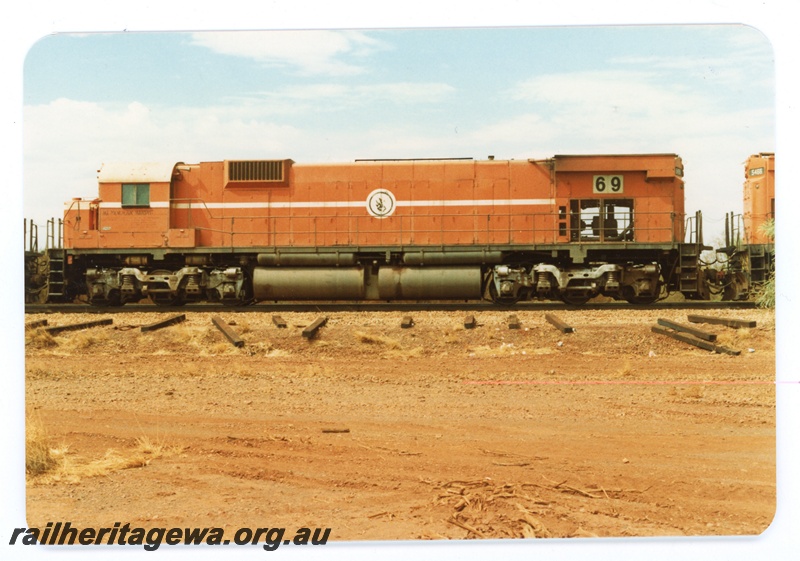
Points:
(256, 170)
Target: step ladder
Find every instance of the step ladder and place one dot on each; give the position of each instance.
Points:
(758, 263)
(690, 280)
(56, 281)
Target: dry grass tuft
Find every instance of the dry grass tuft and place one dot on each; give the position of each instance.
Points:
(626, 370)
(85, 339)
(220, 348)
(147, 446)
(71, 470)
(181, 337)
(504, 349)
(206, 341)
(738, 338)
(403, 353)
(693, 392)
(371, 339)
(39, 339)
(39, 458)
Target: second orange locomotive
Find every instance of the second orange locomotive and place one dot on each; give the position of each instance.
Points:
(567, 227)
(749, 246)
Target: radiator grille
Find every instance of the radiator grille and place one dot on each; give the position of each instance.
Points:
(256, 170)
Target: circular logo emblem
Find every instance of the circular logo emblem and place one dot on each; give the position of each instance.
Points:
(380, 203)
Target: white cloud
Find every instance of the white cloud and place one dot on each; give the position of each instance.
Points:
(616, 108)
(306, 52)
(404, 92)
(66, 141)
(334, 97)
(723, 72)
(633, 93)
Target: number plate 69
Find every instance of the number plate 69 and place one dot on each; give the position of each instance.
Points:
(607, 184)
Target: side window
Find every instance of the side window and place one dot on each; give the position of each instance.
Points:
(135, 194)
(601, 220)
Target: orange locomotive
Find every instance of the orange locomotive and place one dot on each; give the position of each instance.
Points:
(568, 227)
(750, 250)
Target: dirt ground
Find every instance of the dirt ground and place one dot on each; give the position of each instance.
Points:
(384, 433)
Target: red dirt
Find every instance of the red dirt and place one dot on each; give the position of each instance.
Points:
(453, 433)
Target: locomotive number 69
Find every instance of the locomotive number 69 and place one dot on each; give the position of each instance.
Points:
(566, 227)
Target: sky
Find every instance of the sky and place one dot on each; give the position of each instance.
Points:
(704, 92)
(88, 82)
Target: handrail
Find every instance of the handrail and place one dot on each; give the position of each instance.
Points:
(30, 236)
(431, 229)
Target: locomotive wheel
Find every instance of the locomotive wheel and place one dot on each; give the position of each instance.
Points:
(635, 299)
(167, 300)
(245, 298)
(735, 289)
(114, 299)
(246, 292)
(500, 300)
(574, 299)
(163, 298)
(505, 301)
(641, 300)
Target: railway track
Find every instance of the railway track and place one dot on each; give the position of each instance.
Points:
(381, 307)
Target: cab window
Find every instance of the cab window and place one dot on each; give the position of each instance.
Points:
(601, 220)
(135, 194)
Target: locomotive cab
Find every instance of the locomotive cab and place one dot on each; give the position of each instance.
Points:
(623, 231)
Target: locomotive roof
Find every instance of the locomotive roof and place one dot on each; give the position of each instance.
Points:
(136, 172)
(146, 172)
(626, 155)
